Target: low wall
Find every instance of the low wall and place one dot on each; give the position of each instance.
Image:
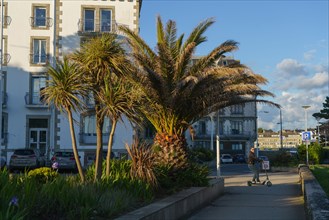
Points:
(179, 205)
(316, 200)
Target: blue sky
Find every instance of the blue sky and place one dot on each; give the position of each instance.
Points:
(285, 41)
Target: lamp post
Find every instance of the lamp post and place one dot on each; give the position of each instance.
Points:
(212, 115)
(257, 147)
(281, 141)
(305, 107)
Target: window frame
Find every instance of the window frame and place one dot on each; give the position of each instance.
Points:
(97, 18)
(32, 48)
(47, 16)
(32, 91)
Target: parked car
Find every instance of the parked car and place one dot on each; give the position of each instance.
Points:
(92, 158)
(226, 158)
(65, 160)
(239, 158)
(26, 158)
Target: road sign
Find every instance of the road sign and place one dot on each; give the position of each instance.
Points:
(266, 165)
(306, 135)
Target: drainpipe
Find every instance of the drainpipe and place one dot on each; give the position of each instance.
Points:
(1, 62)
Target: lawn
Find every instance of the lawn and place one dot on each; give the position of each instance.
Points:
(321, 173)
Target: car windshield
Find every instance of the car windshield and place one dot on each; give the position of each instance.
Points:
(64, 154)
(226, 157)
(24, 152)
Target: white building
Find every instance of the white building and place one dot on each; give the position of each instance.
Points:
(35, 33)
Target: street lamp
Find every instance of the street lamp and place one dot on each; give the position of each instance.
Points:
(281, 141)
(257, 147)
(305, 107)
(212, 115)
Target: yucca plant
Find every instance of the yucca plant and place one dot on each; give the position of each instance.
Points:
(142, 165)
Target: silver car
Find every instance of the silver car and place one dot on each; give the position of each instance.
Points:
(64, 160)
(26, 159)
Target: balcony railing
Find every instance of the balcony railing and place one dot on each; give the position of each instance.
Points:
(6, 58)
(90, 138)
(34, 100)
(41, 22)
(86, 26)
(230, 134)
(7, 20)
(38, 59)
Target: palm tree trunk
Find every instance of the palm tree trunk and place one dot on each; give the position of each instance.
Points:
(109, 146)
(99, 148)
(74, 146)
(172, 150)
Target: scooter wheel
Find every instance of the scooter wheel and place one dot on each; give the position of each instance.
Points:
(269, 183)
(249, 183)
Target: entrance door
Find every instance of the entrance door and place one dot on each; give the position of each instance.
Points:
(38, 139)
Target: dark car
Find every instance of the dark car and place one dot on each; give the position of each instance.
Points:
(64, 160)
(26, 159)
(92, 158)
(239, 158)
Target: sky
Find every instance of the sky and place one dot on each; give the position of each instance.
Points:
(286, 41)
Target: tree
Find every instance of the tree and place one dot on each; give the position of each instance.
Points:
(117, 97)
(98, 58)
(65, 90)
(324, 113)
(177, 91)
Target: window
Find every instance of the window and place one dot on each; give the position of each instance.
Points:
(88, 129)
(202, 128)
(39, 50)
(237, 146)
(236, 127)
(37, 84)
(105, 20)
(40, 16)
(237, 109)
(89, 22)
(96, 19)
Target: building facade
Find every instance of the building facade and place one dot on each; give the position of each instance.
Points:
(271, 140)
(35, 34)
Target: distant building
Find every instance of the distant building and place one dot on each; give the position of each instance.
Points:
(269, 139)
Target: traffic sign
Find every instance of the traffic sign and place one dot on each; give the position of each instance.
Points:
(306, 135)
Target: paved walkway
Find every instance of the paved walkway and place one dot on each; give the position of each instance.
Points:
(282, 201)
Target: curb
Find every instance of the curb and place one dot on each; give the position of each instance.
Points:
(179, 205)
(316, 200)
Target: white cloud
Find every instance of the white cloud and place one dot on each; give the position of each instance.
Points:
(290, 67)
(309, 55)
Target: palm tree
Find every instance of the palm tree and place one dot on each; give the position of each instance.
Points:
(65, 90)
(117, 99)
(177, 92)
(99, 57)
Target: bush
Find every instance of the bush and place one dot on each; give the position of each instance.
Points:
(193, 176)
(200, 154)
(284, 158)
(43, 174)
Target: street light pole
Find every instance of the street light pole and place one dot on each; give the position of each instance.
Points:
(305, 107)
(281, 141)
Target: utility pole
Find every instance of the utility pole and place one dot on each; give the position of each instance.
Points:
(1, 71)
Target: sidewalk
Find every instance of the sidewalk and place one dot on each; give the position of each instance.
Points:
(282, 201)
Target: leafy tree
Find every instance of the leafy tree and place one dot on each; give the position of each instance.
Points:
(97, 59)
(65, 90)
(177, 91)
(324, 113)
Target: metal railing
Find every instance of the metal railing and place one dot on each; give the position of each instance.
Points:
(91, 26)
(41, 22)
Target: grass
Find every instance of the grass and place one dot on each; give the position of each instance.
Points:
(321, 173)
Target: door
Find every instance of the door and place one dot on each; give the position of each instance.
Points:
(38, 139)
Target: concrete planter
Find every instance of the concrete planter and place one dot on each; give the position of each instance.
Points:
(179, 205)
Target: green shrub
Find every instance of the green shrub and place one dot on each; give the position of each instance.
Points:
(284, 158)
(315, 153)
(200, 154)
(43, 174)
(194, 175)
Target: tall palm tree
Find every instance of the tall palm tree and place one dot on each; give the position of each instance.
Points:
(97, 58)
(65, 90)
(177, 92)
(117, 97)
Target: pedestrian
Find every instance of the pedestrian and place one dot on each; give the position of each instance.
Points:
(253, 164)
